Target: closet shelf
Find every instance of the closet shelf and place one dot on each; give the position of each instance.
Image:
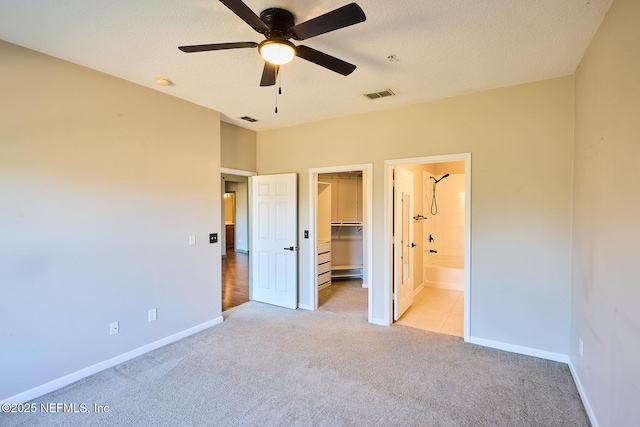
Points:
(346, 267)
(347, 224)
(346, 270)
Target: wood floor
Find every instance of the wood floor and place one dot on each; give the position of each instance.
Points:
(235, 279)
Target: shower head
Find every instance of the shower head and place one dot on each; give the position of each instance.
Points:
(441, 178)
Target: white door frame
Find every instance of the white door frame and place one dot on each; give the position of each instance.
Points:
(367, 229)
(239, 172)
(388, 226)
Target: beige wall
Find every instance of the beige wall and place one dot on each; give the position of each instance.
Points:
(237, 148)
(606, 234)
(521, 140)
(237, 152)
(101, 184)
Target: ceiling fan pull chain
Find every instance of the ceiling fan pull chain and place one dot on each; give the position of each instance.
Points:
(279, 91)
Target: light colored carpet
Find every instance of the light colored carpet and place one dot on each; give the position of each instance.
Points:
(270, 366)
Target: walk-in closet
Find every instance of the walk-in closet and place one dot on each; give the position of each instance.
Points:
(340, 227)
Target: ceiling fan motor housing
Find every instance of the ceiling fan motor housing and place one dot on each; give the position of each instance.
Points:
(279, 22)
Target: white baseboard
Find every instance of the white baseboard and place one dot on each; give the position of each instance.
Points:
(448, 286)
(56, 384)
(583, 395)
(418, 289)
(527, 351)
(305, 306)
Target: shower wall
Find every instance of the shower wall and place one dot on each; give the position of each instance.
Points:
(447, 226)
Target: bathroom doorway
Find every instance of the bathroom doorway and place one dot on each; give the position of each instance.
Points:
(439, 244)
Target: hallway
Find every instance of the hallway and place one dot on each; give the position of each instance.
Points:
(235, 279)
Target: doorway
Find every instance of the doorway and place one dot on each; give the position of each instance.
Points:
(437, 246)
(341, 251)
(235, 235)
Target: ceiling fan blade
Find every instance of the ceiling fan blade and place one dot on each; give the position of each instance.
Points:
(216, 46)
(269, 74)
(327, 61)
(339, 18)
(246, 14)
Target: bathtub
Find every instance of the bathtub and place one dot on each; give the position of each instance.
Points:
(445, 272)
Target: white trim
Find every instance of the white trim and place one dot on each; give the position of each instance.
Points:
(467, 246)
(56, 384)
(378, 321)
(583, 395)
(527, 351)
(387, 266)
(238, 172)
(367, 271)
(305, 307)
(313, 250)
(388, 243)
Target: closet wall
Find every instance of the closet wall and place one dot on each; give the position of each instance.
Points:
(346, 223)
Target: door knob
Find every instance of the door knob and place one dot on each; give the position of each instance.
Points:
(290, 248)
(413, 245)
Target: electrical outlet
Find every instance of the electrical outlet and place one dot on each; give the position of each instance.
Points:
(153, 314)
(580, 347)
(213, 238)
(192, 239)
(114, 328)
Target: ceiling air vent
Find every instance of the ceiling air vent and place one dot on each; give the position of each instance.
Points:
(249, 119)
(381, 94)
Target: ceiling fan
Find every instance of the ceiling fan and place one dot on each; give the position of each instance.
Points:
(278, 26)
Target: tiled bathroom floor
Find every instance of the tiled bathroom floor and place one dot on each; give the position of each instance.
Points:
(436, 310)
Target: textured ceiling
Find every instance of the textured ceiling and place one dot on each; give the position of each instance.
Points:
(443, 48)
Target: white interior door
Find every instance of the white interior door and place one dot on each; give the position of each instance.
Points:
(403, 242)
(274, 251)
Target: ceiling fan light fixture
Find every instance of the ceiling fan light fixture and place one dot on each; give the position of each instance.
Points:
(277, 51)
